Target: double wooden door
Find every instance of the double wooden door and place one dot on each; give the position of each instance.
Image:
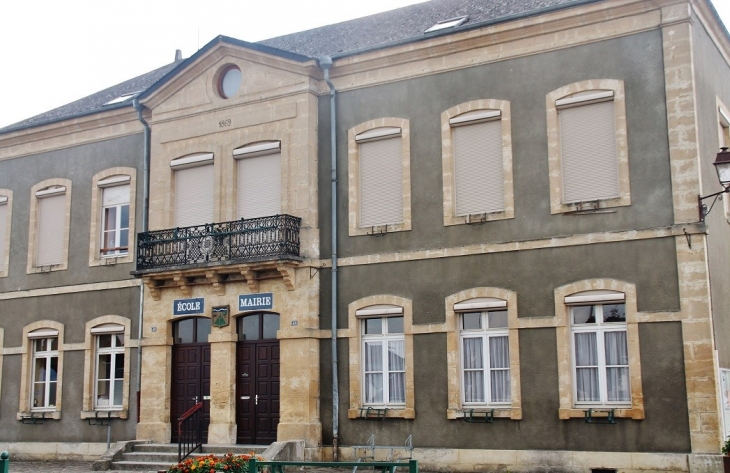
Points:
(257, 380)
(190, 371)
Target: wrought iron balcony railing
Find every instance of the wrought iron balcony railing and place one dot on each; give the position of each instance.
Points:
(255, 239)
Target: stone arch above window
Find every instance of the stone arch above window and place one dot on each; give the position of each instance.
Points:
(112, 229)
(6, 213)
(108, 326)
(373, 307)
(379, 176)
(476, 150)
(49, 228)
(588, 156)
(597, 292)
(481, 299)
(33, 333)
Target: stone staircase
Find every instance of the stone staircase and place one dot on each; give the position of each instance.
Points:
(159, 456)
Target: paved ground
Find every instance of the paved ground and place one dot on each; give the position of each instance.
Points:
(58, 467)
(85, 467)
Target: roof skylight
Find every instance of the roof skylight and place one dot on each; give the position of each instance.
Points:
(451, 23)
(123, 98)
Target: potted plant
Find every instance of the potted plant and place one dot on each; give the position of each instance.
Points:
(229, 463)
(726, 455)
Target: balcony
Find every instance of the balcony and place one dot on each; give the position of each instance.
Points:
(217, 252)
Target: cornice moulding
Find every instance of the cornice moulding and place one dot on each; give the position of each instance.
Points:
(647, 15)
(69, 133)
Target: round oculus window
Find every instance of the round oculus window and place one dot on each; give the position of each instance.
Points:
(230, 82)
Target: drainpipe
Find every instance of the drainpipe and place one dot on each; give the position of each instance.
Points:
(145, 212)
(325, 62)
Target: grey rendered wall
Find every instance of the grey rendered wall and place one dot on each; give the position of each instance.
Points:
(73, 311)
(79, 164)
(712, 76)
(637, 60)
(651, 265)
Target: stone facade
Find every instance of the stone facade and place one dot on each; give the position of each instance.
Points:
(646, 245)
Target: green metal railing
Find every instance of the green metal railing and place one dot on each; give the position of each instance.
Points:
(278, 467)
(4, 462)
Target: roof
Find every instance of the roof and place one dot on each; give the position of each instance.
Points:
(381, 30)
(407, 24)
(95, 102)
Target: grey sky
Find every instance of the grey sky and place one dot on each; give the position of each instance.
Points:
(57, 52)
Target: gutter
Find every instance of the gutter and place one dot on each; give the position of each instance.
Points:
(145, 216)
(325, 63)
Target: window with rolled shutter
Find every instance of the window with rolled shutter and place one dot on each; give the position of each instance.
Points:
(479, 168)
(259, 180)
(381, 182)
(194, 187)
(51, 223)
(3, 231)
(589, 151)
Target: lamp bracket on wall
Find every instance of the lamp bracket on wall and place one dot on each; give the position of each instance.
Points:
(703, 209)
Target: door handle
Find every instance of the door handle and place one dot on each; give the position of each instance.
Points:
(195, 399)
(257, 400)
(245, 397)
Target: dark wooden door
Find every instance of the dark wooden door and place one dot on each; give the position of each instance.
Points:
(190, 383)
(257, 391)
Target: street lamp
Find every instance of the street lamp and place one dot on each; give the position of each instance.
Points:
(722, 166)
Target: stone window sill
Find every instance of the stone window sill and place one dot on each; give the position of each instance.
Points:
(105, 414)
(391, 413)
(499, 412)
(46, 415)
(636, 413)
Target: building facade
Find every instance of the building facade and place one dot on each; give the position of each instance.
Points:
(71, 190)
(506, 236)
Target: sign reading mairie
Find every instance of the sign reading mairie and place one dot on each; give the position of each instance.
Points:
(261, 301)
(188, 306)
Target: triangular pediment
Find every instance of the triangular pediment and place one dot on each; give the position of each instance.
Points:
(195, 86)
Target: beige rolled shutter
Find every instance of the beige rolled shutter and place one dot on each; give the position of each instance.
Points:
(3, 230)
(589, 152)
(51, 229)
(259, 185)
(381, 182)
(479, 168)
(194, 196)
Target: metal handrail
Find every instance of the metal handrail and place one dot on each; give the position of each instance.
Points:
(190, 431)
(251, 239)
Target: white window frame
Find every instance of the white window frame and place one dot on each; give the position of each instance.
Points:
(109, 183)
(48, 355)
(110, 330)
(379, 305)
(101, 181)
(600, 328)
(384, 339)
(575, 95)
(485, 334)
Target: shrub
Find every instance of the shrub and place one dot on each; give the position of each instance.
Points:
(229, 463)
(726, 447)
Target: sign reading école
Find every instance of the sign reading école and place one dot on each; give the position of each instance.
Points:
(188, 306)
(261, 301)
